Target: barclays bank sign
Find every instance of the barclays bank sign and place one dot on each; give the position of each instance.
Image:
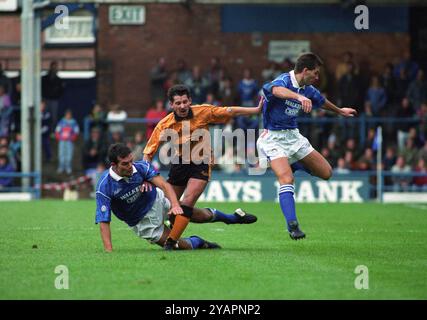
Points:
(341, 188)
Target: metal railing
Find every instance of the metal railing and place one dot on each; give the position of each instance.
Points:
(34, 188)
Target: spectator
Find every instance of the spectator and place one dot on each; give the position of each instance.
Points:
(367, 161)
(198, 86)
(422, 115)
(15, 151)
(5, 167)
(5, 82)
(348, 95)
(422, 153)
(16, 104)
(350, 145)
(416, 136)
(370, 139)
(153, 116)
(52, 90)
(66, 133)
(389, 158)
(4, 141)
(270, 72)
(248, 89)
(46, 119)
(211, 99)
(388, 82)
(349, 87)
(94, 150)
(405, 112)
(115, 137)
(183, 74)
(400, 180)
(116, 118)
(402, 84)
(420, 182)
(342, 66)
(5, 112)
(95, 119)
(158, 76)
(375, 99)
(16, 92)
(139, 145)
(349, 160)
(410, 67)
(341, 167)
(171, 80)
(388, 162)
(227, 94)
(417, 91)
(213, 75)
(408, 152)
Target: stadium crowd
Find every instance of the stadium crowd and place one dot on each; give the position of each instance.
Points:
(398, 94)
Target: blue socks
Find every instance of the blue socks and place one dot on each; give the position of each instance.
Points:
(223, 217)
(287, 202)
(196, 242)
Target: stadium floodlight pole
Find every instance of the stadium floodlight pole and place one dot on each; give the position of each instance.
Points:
(27, 69)
(379, 135)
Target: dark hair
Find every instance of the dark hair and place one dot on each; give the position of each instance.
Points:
(307, 60)
(178, 90)
(118, 150)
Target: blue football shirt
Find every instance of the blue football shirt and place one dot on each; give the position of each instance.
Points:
(281, 114)
(123, 195)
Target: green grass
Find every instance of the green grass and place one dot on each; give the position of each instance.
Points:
(257, 261)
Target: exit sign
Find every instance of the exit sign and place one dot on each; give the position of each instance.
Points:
(127, 14)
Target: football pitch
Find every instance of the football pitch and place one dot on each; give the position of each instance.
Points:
(257, 261)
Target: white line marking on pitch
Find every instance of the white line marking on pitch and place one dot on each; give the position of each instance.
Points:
(417, 206)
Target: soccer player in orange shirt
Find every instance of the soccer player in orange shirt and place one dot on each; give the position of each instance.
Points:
(190, 174)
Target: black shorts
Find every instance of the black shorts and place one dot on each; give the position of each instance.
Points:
(179, 174)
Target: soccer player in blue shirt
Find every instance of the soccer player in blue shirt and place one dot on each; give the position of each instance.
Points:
(281, 144)
(123, 190)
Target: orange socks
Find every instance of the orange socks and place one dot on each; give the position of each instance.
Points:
(179, 226)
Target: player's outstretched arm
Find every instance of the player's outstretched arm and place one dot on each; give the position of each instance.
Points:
(161, 183)
(345, 112)
(241, 111)
(106, 236)
(285, 93)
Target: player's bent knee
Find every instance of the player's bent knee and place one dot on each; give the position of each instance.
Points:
(286, 179)
(326, 174)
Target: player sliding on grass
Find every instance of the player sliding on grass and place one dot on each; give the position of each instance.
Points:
(192, 171)
(120, 189)
(281, 144)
